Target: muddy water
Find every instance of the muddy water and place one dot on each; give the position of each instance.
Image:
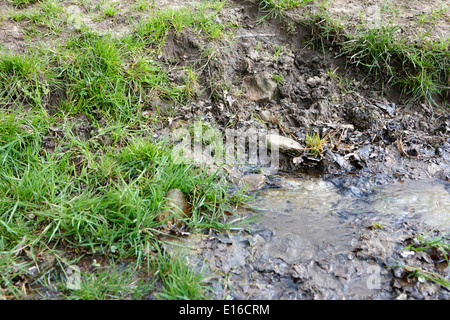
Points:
(303, 215)
(314, 224)
(304, 245)
(425, 201)
(316, 212)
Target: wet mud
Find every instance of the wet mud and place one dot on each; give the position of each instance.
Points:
(330, 245)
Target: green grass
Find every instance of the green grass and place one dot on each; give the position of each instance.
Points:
(109, 10)
(86, 196)
(26, 79)
(142, 5)
(111, 282)
(180, 281)
(152, 32)
(105, 77)
(109, 198)
(423, 275)
(99, 191)
(21, 3)
(274, 8)
(46, 13)
(420, 69)
(112, 78)
(428, 242)
(315, 143)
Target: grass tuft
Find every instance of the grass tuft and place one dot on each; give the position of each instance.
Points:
(22, 3)
(80, 170)
(420, 69)
(274, 8)
(25, 79)
(180, 281)
(85, 196)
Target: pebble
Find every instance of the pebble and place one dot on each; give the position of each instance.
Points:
(283, 144)
(260, 87)
(265, 116)
(176, 201)
(252, 182)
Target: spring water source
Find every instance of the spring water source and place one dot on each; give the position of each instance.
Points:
(316, 207)
(307, 213)
(301, 248)
(313, 225)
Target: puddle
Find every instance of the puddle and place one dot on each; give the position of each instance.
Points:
(304, 215)
(312, 241)
(425, 201)
(314, 211)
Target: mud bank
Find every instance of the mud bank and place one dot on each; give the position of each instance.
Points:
(269, 78)
(330, 245)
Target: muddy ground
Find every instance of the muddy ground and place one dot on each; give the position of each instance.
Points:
(374, 135)
(268, 77)
(380, 140)
(377, 139)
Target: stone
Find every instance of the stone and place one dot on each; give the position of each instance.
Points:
(265, 116)
(252, 182)
(283, 144)
(314, 81)
(261, 87)
(363, 117)
(176, 203)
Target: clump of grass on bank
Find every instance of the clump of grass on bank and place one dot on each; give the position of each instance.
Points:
(422, 71)
(152, 32)
(113, 282)
(315, 143)
(26, 79)
(436, 245)
(274, 8)
(21, 3)
(46, 13)
(105, 77)
(421, 68)
(427, 242)
(180, 282)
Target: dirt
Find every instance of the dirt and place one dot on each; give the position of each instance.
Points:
(330, 246)
(248, 267)
(373, 136)
(268, 78)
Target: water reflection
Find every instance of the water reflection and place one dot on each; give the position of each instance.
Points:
(426, 201)
(307, 213)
